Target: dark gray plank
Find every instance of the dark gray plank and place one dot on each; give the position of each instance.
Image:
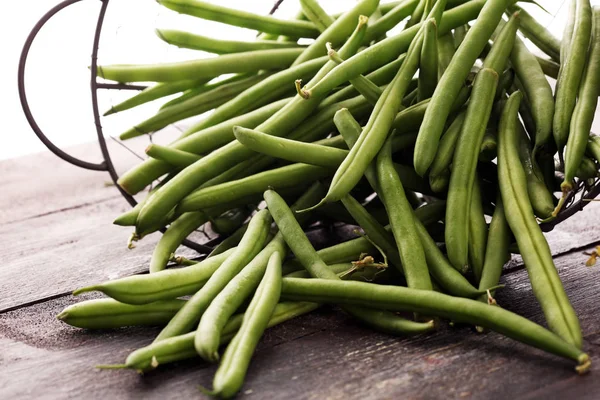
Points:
(322, 355)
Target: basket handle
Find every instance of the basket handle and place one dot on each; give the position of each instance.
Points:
(102, 166)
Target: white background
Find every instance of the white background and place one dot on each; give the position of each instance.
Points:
(58, 79)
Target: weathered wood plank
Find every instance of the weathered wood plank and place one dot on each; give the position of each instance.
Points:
(322, 355)
(58, 252)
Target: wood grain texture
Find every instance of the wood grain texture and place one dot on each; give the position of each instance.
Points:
(324, 355)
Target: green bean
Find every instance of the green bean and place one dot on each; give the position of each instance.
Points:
(402, 221)
(505, 81)
(587, 169)
(537, 33)
(428, 63)
(496, 250)
(174, 157)
(189, 40)
(549, 67)
(380, 76)
(181, 347)
(201, 68)
(270, 89)
(249, 246)
(433, 303)
(459, 35)
(537, 90)
(288, 149)
(412, 117)
(279, 178)
(374, 230)
(478, 232)
(230, 375)
(541, 198)
(441, 270)
(163, 285)
(363, 85)
(583, 113)
(567, 36)
(389, 49)
(230, 221)
(308, 153)
(571, 71)
(339, 30)
(196, 91)
(351, 130)
(417, 15)
(172, 238)
(464, 164)
(261, 23)
(534, 249)
(451, 83)
(155, 92)
(390, 19)
(110, 314)
(305, 253)
(315, 13)
(593, 147)
(375, 132)
(281, 123)
(193, 106)
(445, 47)
(130, 216)
(229, 242)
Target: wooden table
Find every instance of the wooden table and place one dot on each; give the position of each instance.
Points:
(56, 231)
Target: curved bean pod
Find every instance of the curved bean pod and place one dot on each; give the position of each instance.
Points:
(110, 314)
(154, 92)
(534, 249)
(428, 63)
(163, 285)
(430, 302)
(262, 23)
(464, 164)
(571, 71)
(390, 19)
(496, 251)
(537, 33)
(172, 238)
(402, 221)
(439, 173)
(188, 40)
(315, 13)
(174, 157)
(537, 90)
(201, 68)
(584, 111)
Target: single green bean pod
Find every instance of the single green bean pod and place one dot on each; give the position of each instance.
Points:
(428, 64)
(429, 302)
(261, 23)
(583, 114)
(534, 248)
(571, 71)
(111, 314)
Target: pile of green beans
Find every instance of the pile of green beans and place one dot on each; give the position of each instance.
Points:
(443, 175)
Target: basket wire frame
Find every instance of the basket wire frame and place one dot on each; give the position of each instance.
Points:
(574, 203)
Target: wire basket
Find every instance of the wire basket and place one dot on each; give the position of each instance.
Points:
(575, 202)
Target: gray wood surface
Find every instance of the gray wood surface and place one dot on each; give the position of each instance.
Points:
(57, 231)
